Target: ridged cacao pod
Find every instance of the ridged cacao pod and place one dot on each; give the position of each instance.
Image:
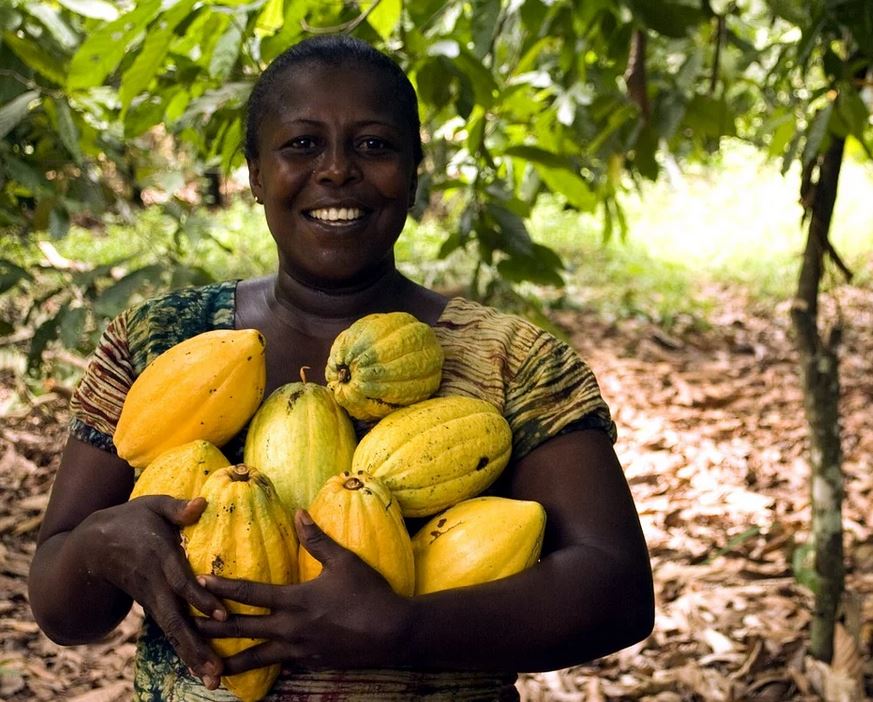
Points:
(358, 512)
(244, 533)
(181, 471)
(382, 362)
(206, 387)
(300, 437)
(436, 452)
(477, 541)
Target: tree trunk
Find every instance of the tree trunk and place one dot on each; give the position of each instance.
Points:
(821, 390)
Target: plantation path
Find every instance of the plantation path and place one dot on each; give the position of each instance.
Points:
(712, 436)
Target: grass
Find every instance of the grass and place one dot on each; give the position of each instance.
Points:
(736, 224)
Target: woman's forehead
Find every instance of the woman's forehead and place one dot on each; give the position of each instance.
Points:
(313, 90)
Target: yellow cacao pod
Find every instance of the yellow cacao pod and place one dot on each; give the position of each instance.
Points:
(181, 471)
(358, 512)
(206, 387)
(300, 437)
(243, 533)
(436, 452)
(477, 541)
(382, 362)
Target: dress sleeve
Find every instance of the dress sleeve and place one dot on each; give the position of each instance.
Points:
(97, 401)
(552, 391)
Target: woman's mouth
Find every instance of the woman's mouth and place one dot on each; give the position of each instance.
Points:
(336, 216)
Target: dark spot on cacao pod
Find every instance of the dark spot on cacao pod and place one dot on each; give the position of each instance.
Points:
(482, 463)
(441, 523)
(217, 565)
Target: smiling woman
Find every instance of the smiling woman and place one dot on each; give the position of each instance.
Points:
(333, 145)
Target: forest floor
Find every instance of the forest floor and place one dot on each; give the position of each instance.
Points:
(713, 440)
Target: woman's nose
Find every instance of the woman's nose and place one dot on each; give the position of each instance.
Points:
(337, 165)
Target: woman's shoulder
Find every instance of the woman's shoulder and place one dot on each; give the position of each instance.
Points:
(164, 320)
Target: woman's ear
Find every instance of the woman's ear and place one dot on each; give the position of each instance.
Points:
(255, 180)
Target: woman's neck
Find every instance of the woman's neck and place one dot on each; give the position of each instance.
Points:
(323, 311)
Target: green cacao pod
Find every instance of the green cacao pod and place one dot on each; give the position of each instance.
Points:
(436, 452)
(206, 387)
(382, 362)
(181, 471)
(243, 533)
(358, 512)
(299, 437)
(477, 541)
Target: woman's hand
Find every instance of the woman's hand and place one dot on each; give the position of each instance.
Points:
(135, 546)
(348, 617)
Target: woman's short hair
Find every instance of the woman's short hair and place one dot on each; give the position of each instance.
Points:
(331, 50)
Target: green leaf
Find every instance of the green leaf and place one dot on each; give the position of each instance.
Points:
(67, 130)
(118, 296)
(35, 57)
(147, 62)
(42, 337)
(226, 52)
(385, 16)
(105, 47)
(569, 184)
(541, 267)
(485, 24)
(11, 274)
(15, 111)
(95, 9)
(72, 325)
(794, 11)
(52, 21)
(271, 19)
(482, 81)
(672, 18)
(853, 111)
(514, 236)
(815, 134)
(540, 156)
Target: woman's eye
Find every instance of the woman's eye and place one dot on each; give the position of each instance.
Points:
(301, 143)
(373, 144)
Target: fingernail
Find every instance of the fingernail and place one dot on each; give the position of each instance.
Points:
(201, 581)
(210, 682)
(219, 615)
(210, 669)
(305, 518)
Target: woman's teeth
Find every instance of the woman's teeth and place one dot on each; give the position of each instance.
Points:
(337, 214)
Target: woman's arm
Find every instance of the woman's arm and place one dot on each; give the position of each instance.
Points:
(97, 552)
(590, 594)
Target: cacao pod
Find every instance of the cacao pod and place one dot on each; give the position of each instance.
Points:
(436, 452)
(359, 513)
(181, 471)
(300, 437)
(382, 362)
(206, 387)
(243, 533)
(477, 541)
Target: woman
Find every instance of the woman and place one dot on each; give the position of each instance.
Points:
(333, 146)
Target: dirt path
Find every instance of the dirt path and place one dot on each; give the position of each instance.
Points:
(712, 437)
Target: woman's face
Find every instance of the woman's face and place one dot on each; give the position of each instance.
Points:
(336, 175)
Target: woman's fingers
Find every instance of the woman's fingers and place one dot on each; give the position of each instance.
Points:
(179, 512)
(190, 646)
(262, 655)
(245, 591)
(320, 545)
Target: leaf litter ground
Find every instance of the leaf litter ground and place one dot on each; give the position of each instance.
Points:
(713, 440)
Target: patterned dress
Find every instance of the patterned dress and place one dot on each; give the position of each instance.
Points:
(538, 382)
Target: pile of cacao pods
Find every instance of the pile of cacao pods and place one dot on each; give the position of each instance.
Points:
(424, 456)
